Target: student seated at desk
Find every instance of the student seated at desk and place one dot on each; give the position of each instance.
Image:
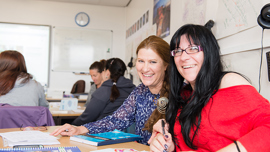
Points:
(17, 87)
(153, 57)
(96, 69)
(110, 96)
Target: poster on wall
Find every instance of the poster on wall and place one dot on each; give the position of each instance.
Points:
(235, 16)
(189, 16)
(162, 17)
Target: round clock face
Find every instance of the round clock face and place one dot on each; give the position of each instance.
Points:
(82, 19)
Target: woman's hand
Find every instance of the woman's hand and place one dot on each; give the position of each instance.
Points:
(157, 128)
(69, 130)
(160, 141)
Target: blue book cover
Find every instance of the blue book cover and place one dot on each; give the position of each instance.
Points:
(106, 138)
(45, 149)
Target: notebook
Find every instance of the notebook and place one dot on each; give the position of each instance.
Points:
(106, 138)
(47, 149)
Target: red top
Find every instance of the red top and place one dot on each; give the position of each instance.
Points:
(233, 113)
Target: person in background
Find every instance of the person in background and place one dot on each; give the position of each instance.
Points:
(110, 96)
(96, 69)
(153, 57)
(17, 86)
(217, 110)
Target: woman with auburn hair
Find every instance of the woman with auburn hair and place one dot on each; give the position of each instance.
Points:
(153, 57)
(17, 86)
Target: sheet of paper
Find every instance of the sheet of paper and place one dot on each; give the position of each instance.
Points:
(39, 142)
(54, 104)
(78, 111)
(29, 138)
(117, 150)
(59, 111)
(83, 97)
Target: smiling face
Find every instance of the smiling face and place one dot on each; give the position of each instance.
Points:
(151, 69)
(189, 65)
(96, 77)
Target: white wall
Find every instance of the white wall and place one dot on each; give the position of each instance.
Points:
(245, 44)
(61, 14)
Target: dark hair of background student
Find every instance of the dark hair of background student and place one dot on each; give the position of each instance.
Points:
(159, 46)
(12, 66)
(98, 65)
(207, 82)
(117, 68)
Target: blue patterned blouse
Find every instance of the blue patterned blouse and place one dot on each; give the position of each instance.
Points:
(137, 108)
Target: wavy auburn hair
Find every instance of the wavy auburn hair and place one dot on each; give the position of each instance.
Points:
(162, 49)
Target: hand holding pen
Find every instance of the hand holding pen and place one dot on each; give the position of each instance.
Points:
(161, 139)
(163, 126)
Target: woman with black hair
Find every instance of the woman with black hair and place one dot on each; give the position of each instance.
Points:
(110, 95)
(217, 110)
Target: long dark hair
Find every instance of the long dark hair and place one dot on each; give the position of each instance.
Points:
(207, 82)
(117, 68)
(12, 66)
(162, 48)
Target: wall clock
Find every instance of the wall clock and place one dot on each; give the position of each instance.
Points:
(82, 19)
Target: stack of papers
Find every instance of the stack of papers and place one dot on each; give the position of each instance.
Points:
(28, 138)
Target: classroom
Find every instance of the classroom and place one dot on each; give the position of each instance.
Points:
(244, 44)
(238, 34)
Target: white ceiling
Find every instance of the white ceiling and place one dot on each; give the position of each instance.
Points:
(115, 3)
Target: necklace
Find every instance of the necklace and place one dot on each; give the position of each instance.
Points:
(155, 98)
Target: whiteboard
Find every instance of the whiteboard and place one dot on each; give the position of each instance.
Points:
(33, 42)
(75, 49)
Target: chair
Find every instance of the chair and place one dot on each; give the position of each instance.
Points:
(16, 116)
(78, 87)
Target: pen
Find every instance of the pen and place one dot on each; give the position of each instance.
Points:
(163, 125)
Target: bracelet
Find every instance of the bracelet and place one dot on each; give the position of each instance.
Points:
(237, 146)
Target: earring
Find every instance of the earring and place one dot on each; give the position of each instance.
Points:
(162, 105)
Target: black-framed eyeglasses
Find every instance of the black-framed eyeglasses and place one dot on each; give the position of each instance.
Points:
(40, 128)
(189, 50)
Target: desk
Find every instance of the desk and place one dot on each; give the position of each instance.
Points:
(65, 142)
(60, 117)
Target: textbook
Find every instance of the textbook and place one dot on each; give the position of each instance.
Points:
(106, 138)
(47, 149)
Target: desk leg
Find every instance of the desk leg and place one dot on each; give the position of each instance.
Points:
(57, 120)
(61, 120)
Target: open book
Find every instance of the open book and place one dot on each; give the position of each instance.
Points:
(106, 138)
